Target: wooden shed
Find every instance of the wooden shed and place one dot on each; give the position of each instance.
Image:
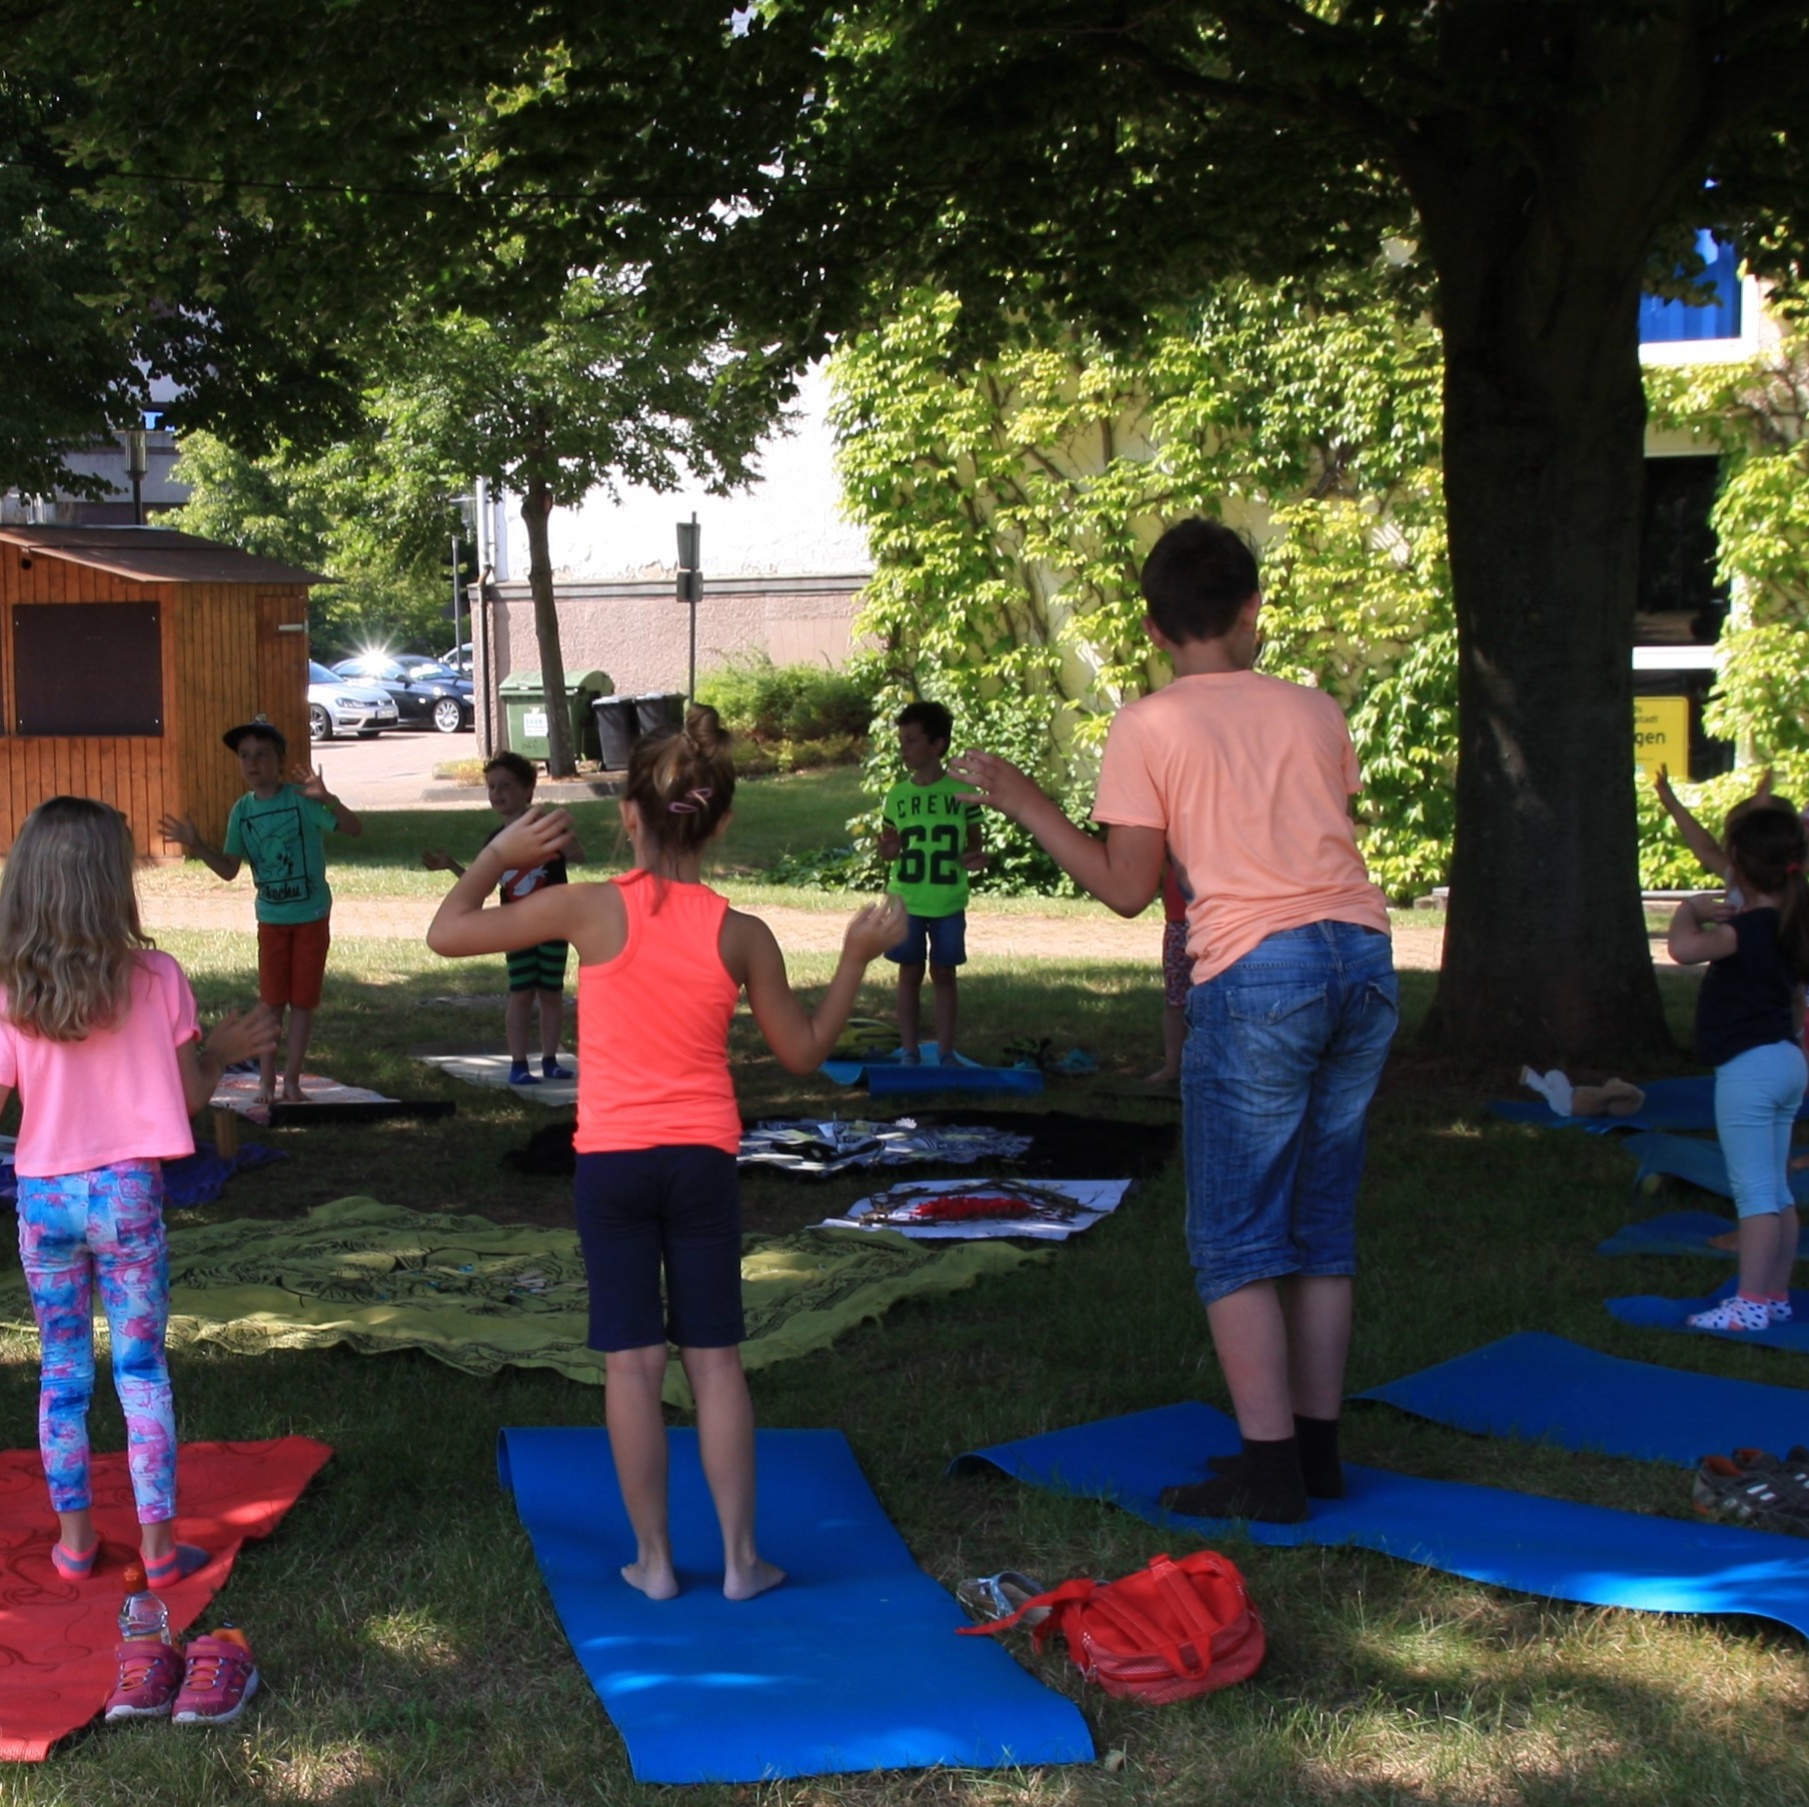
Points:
(125, 653)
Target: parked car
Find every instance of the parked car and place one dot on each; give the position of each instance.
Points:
(459, 658)
(339, 705)
(426, 693)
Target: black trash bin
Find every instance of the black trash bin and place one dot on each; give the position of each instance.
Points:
(616, 734)
(654, 709)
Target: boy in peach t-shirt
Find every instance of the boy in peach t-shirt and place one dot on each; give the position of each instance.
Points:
(1246, 782)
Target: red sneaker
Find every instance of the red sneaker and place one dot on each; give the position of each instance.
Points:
(150, 1672)
(221, 1678)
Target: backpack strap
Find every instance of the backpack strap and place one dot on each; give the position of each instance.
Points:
(1058, 1600)
(1116, 1606)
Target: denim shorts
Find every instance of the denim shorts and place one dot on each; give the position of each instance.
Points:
(645, 1212)
(1283, 1052)
(943, 938)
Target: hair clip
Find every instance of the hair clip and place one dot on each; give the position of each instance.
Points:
(691, 802)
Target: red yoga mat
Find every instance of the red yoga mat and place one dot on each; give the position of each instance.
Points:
(57, 1638)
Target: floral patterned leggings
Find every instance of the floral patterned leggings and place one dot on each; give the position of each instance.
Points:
(75, 1229)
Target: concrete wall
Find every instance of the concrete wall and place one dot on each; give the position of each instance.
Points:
(640, 633)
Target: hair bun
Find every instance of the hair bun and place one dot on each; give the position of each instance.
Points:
(704, 729)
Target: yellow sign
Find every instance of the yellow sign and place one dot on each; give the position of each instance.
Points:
(1661, 734)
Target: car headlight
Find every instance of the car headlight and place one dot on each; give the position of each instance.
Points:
(350, 702)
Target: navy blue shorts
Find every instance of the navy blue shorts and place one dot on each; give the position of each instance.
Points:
(647, 1210)
(942, 938)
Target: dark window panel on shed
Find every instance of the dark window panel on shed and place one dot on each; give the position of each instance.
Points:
(87, 668)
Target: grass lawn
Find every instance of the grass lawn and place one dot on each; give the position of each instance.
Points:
(407, 1645)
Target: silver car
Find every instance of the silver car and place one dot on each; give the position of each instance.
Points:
(339, 705)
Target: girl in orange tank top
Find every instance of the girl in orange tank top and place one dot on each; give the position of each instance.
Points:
(662, 960)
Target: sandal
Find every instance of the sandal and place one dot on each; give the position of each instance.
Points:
(989, 1597)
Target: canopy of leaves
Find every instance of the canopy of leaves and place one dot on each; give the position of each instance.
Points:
(370, 514)
(64, 346)
(1009, 509)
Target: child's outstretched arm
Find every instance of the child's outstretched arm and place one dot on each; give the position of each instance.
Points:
(1124, 871)
(237, 1036)
(1695, 837)
(803, 1039)
(462, 925)
(182, 830)
(437, 859)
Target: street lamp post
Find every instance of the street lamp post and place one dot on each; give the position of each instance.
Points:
(137, 463)
(690, 587)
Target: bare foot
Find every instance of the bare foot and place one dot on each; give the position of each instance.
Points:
(656, 1581)
(292, 1092)
(265, 1095)
(1728, 1240)
(1162, 1076)
(744, 1584)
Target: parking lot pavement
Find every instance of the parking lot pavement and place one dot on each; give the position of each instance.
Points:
(393, 770)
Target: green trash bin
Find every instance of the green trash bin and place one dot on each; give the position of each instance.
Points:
(523, 698)
(582, 692)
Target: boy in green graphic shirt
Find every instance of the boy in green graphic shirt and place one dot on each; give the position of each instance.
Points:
(931, 838)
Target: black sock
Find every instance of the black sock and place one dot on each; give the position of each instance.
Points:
(1319, 1464)
(1264, 1483)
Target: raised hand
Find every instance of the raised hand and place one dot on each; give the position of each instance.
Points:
(180, 829)
(996, 782)
(875, 927)
(244, 1035)
(535, 837)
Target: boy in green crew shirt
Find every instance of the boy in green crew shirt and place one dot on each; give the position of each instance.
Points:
(276, 827)
(931, 838)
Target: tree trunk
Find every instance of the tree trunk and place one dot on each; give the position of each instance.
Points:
(1546, 951)
(537, 506)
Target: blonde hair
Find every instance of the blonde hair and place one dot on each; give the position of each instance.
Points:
(69, 927)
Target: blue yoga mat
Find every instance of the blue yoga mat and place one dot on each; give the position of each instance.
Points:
(1701, 1163)
(888, 1074)
(851, 1664)
(1652, 1313)
(1676, 1233)
(1687, 1103)
(1538, 1546)
(1548, 1389)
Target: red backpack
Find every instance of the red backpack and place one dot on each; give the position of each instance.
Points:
(1169, 1631)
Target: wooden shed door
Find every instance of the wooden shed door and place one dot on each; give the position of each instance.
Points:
(283, 664)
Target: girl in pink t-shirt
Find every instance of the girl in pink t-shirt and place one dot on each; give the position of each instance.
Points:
(99, 1036)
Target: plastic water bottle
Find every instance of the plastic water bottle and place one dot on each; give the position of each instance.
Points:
(142, 1615)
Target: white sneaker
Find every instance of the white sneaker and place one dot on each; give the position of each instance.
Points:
(1733, 1313)
(1554, 1087)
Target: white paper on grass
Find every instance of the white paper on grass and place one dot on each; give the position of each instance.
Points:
(1094, 1197)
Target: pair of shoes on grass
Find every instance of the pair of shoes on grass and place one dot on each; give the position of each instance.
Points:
(1737, 1312)
(208, 1684)
(1752, 1487)
(521, 1074)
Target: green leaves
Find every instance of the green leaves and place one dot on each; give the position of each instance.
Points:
(1009, 506)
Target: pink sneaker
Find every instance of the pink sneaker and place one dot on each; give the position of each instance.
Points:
(150, 1672)
(221, 1678)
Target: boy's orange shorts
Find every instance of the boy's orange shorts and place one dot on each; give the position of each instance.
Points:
(292, 962)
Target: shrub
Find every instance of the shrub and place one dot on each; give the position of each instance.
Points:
(769, 703)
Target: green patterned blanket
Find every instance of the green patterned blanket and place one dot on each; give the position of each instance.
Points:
(481, 1296)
